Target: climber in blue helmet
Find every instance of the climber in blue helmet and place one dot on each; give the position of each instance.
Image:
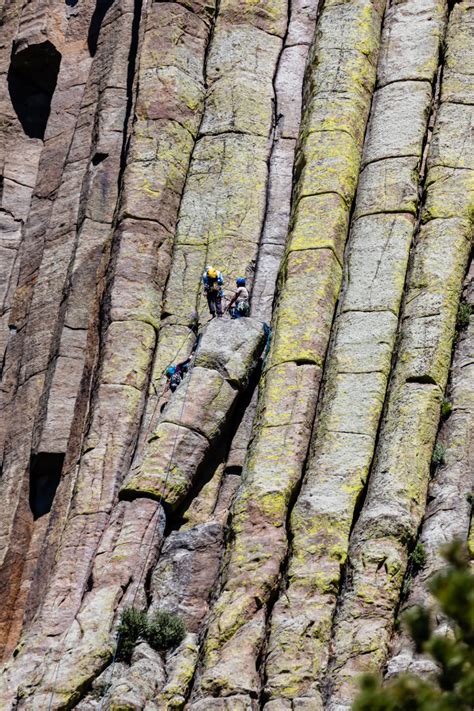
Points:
(239, 304)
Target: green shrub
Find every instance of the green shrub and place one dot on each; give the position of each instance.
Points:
(452, 689)
(464, 315)
(165, 631)
(418, 557)
(439, 453)
(133, 625)
(446, 409)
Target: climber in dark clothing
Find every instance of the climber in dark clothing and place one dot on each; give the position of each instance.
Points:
(213, 281)
(175, 373)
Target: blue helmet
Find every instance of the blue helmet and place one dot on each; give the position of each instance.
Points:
(170, 371)
(240, 281)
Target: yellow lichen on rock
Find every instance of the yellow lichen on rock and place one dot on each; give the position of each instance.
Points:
(359, 363)
(396, 496)
(327, 167)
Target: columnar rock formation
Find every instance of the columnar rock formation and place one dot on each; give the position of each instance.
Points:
(325, 151)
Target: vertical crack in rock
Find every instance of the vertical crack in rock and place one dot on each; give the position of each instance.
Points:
(287, 108)
(398, 484)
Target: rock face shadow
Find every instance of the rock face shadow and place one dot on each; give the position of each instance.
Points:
(45, 473)
(32, 77)
(100, 12)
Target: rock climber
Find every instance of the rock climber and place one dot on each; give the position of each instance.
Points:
(175, 373)
(239, 304)
(213, 282)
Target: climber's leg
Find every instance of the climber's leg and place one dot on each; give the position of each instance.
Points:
(211, 302)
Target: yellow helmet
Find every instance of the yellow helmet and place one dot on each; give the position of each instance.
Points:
(212, 273)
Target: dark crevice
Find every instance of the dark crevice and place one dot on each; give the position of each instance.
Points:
(233, 471)
(218, 453)
(101, 9)
(98, 158)
(32, 78)
(422, 379)
(45, 474)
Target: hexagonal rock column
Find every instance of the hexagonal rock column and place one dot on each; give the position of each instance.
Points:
(198, 412)
(363, 338)
(398, 483)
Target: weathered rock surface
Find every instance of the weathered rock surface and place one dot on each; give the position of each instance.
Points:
(198, 412)
(448, 510)
(325, 152)
(397, 488)
(360, 358)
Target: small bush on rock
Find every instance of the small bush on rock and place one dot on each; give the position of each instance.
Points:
(439, 453)
(418, 557)
(464, 315)
(133, 625)
(446, 409)
(164, 631)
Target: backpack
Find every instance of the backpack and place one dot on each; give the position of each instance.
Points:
(243, 308)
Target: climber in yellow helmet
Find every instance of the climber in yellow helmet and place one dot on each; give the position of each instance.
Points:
(213, 281)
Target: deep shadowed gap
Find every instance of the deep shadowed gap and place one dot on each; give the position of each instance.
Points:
(101, 9)
(98, 158)
(45, 473)
(32, 77)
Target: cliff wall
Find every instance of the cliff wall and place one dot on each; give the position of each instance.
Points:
(324, 150)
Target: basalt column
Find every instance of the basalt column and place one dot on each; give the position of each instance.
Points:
(396, 495)
(327, 165)
(359, 360)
